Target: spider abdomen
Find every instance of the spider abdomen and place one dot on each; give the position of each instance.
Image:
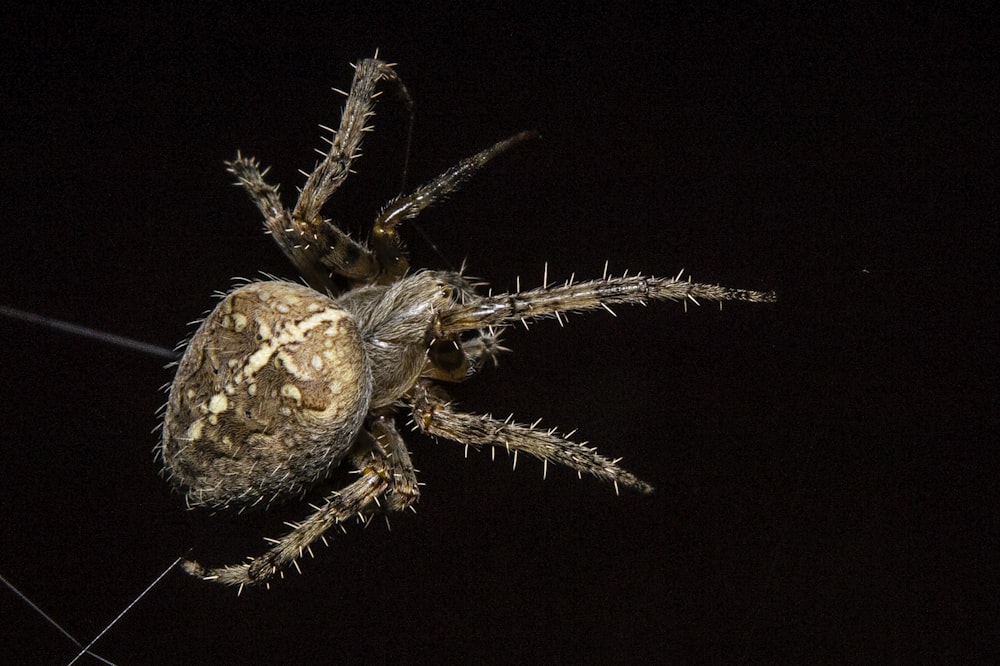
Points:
(268, 398)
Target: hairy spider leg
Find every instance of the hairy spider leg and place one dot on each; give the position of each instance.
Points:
(434, 416)
(386, 471)
(542, 302)
(386, 241)
(315, 246)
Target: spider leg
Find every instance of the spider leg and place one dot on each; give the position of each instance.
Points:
(314, 249)
(434, 416)
(386, 241)
(505, 309)
(403, 488)
(331, 172)
(386, 471)
(315, 246)
(339, 506)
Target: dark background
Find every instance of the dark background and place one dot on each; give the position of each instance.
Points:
(824, 466)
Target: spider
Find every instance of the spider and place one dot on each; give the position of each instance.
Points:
(282, 383)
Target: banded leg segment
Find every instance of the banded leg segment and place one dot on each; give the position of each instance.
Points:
(316, 250)
(331, 172)
(311, 240)
(386, 472)
(435, 417)
(388, 245)
(505, 309)
(347, 503)
(315, 246)
(403, 488)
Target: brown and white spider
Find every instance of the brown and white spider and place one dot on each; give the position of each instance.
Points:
(282, 383)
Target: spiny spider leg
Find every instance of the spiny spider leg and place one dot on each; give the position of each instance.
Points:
(403, 489)
(339, 506)
(386, 471)
(505, 309)
(434, 416)
(388, 245)
(314, 245)
(330, 173)
(314, 250)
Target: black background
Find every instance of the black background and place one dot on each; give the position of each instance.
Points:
(824, 471)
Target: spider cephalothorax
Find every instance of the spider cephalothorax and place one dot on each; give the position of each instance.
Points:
(282, 383)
